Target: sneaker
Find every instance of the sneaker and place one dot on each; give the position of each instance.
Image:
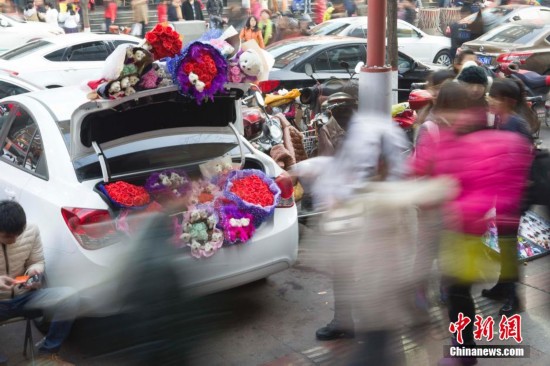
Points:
(51, 359)
(512, 306)
(333, 331)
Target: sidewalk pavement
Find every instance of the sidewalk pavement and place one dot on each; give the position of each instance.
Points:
(426, 347)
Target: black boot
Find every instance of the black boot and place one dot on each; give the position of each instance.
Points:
(334, 330)
(500, 291)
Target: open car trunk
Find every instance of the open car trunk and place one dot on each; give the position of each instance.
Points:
(130, 138)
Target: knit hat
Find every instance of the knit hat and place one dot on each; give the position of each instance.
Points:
(473, 75)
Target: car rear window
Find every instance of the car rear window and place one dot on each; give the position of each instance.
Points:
(521, 34)
(329, 28)
(286, 58)
(24, 50)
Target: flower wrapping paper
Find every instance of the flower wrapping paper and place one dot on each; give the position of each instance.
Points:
(259, 212)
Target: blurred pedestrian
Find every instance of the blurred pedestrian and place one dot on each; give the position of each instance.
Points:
(110, 14)
(433, 84)
(30, 13)
(191, 10)
(174, 11)
(461, 59)
(215, 11)
(474, 78)
(480, 173)
(444, 3)
(350, 6)
(70, 19)
(507, 103)
(408, 11)
(51, 15)
(252, 31)
(327, 15)
(266, 25)
(162, 11)
(141, 16)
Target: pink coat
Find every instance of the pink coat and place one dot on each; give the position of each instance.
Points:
(492, 169)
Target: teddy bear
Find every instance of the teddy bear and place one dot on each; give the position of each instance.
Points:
(115, 91)
(245, 67)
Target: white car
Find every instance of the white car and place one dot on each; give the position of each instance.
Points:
(15, 32)
(52, 162)
(64, 60)
(11, 85)
(411, 40)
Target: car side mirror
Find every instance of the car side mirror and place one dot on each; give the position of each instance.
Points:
(259, 98)
(420, 35)
(358, 67)
(4, 23)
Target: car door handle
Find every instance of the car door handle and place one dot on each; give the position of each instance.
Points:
(9, 193)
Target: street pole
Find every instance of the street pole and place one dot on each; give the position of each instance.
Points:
(375, 77)
(393, 55)
(85, 16)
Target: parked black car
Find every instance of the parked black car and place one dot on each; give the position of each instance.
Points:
(325, 54)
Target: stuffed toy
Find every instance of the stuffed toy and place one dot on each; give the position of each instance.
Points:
(245, 67)
(114, 90)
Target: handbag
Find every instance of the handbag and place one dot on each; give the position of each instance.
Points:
(136, 29)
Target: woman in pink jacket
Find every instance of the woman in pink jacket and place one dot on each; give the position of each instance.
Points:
(491, 168)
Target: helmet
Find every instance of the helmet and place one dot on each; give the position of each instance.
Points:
(341, 97)
(419, 98)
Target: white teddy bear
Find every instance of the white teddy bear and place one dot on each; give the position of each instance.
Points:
(250, 63)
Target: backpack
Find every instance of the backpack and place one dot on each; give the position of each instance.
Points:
(538, 190)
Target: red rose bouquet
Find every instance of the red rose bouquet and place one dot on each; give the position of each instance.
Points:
(164, 41)
(126, 195)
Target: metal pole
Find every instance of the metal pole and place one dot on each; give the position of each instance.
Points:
(375, 77)
(393, 54)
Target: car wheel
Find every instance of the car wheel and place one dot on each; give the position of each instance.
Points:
(443, 58)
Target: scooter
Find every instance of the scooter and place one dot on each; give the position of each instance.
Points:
(271, 130)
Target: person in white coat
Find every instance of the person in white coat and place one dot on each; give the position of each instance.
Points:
(70, 20)
(51, 15)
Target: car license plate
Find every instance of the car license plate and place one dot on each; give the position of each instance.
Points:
(486, 60)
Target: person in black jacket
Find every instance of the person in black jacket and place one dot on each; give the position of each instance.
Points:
(191, 10)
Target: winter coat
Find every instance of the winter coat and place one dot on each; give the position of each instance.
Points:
(214, 7)
(247, 34)
(173, 13)
(491, 168)
(330, 138)
(70, 21)
(187, 10)
(110, 11)
(141, 11)
(31, 15)
(20, 257)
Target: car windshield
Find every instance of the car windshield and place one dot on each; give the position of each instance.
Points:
(24, 50)
(520, 34)
(328, 28)
(287, 54)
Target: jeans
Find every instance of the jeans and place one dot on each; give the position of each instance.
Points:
(108, 23)
(62, 301)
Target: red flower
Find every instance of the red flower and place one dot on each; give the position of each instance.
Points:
(253, 190)
(127, 194)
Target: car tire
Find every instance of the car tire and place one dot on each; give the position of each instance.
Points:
(443, 57)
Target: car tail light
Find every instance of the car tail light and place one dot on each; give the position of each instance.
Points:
(287, 190)
(519, 57)
(267, 86)
(93, 229)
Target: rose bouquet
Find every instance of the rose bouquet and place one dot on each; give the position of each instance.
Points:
(125, 195)
(200, 71)
(202, 192)
(253, 192)
(237, 225)
(163, 41)
(198, 231)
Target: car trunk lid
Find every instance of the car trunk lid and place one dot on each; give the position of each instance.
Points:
(133, 122)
